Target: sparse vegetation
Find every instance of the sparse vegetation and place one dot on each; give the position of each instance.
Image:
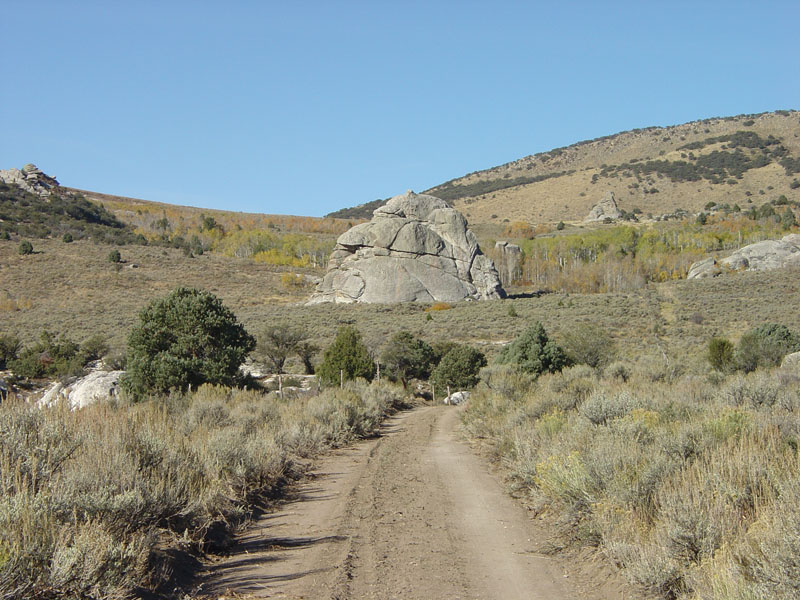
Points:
(63, 213)
(91, 500)
(689, 485)
(685, 476)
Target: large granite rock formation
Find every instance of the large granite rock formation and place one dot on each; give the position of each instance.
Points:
(761, 256)
(415, 249)
(30, 178)
(605, 209)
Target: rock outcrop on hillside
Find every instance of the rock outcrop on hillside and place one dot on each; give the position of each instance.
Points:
(761, 256)
(30, 178)
(605, 209)
(416, 248)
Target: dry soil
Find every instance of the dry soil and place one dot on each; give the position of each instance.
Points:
(411, 514)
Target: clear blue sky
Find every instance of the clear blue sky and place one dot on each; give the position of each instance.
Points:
(305, 107)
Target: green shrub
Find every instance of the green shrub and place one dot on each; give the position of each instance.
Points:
(94, 348)
(185, 339)
(25, 248)
(459, 368)
(9, 347)
(51, 356)
(346, 357)
(67, 238)
(721, 354)
(788, 219)
(618, 370)
(114, 256)
(589, 344)
(406, 357)
(765, 346)
(602, 407)
(534, 352)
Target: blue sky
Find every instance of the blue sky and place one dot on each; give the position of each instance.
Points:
(309, 106)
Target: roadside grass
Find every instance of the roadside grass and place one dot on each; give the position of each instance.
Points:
(689, 483)
(92, 501)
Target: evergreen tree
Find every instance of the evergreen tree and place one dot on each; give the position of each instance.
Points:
(406, 357)
(346, 355)
(459, 368)
(534, 352)
(187, 338)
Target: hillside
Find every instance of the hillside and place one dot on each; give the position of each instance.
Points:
(748, 159)
(660, 439)
(65, 213)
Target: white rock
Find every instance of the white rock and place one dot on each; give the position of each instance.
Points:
(761, 256)
(791, 362)
(100, 385)
(415, 249)
(605, 209)
(30, 178)
(457, 398)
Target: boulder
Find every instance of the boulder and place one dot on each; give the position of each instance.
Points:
(30, 178)
(416, 248)
(766, 255)
(100, 385)
(703, 269)
(761, 256)
(457, 398)
(605, 209)
(791, 362)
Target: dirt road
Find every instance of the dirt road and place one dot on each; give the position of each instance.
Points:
(411, 514)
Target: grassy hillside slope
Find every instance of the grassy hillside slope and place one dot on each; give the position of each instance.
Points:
(72, 289)
(565, 183)
(657, 170)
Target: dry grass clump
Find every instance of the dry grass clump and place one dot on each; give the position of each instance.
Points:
(91, 500)
(691, 486)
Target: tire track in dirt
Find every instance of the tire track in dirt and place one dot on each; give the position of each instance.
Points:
(412, 514)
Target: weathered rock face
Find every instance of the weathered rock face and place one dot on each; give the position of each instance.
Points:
(761, 256)
(415, 249)
(509, 257)
(100, 385)
(30, 178)
(703, 269)
(605, 209)
(791, 362)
